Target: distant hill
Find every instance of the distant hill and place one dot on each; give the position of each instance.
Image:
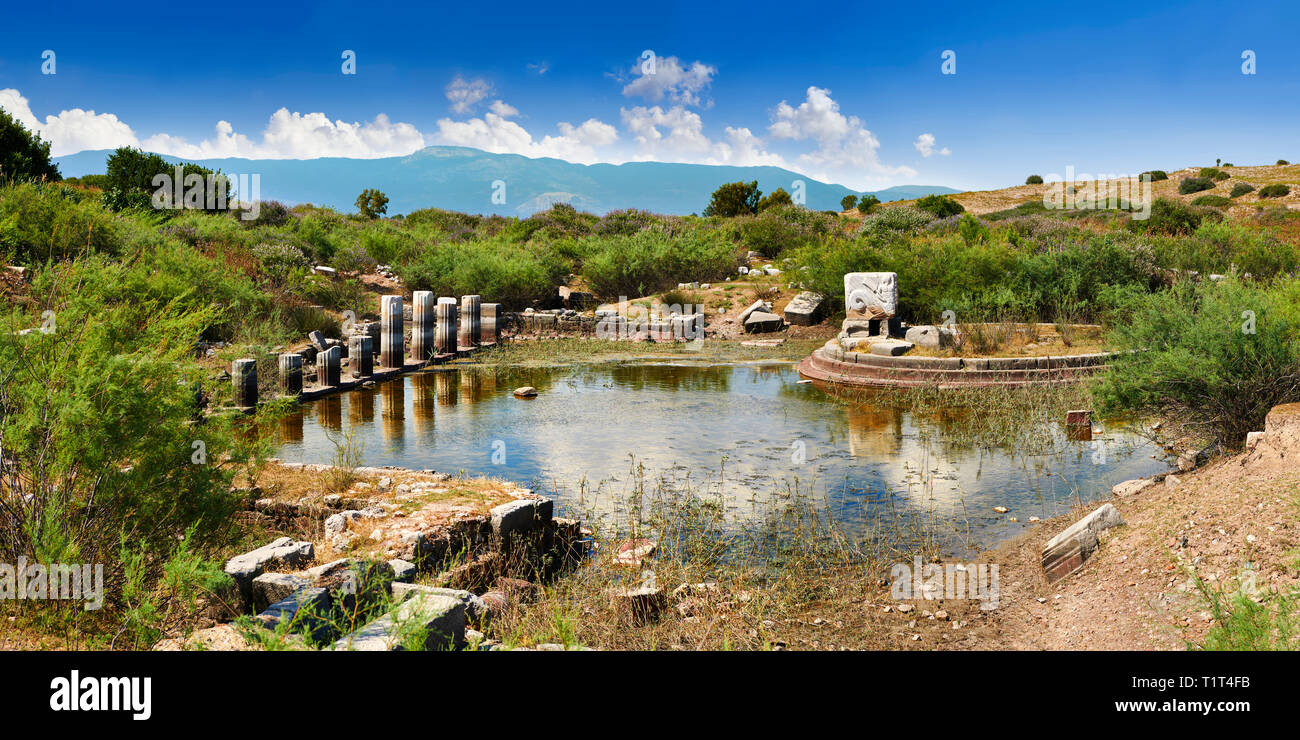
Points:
(461, 179)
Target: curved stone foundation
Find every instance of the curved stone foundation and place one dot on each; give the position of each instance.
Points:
(834, 365)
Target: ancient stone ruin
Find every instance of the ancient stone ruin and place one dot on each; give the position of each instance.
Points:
(873, 346)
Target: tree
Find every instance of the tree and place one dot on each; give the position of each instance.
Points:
(848, 202)
(372, 203)
(734, 199)
(23, 156)
(130, 182)
(778, 197)
(867, 203)
(1034, 180)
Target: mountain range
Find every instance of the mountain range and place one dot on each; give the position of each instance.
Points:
(474, 181)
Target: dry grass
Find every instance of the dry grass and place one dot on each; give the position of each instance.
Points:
(989, 201)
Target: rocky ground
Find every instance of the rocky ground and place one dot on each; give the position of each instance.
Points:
(1235, 517)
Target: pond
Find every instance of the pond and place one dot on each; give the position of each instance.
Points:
(749, 435)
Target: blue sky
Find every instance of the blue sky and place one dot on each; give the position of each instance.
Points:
(851, 93)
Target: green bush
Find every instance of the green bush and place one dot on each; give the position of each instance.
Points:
(867, 204)
(1194, 185)
(41, 222)
(1281, 162)
(499, 270)
(23, 156)
(1214, 357)
(1217, 201)
(1241, 189)
(1156, 175)
(1276, 190)
(940, 206)
(1034, 180)
(896, 219)
(776, 230)
(848, 202)
(734, 199)
(651, 261)
(777, 197)
(101, 416)
(1169, 216)
(1213, 173)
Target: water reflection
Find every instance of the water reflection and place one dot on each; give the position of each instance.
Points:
(746, 434)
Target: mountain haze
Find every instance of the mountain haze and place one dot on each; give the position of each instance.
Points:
(461, 179)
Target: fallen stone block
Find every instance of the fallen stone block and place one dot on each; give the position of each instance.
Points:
(762, 322)
(269, 588)
(305, 611)
(423, 622)
(1132, 487)
(281, 552)
(933, 337)
(403, 570)
(1066, 552)
(891, 348)
(476, 610)
(759, 305)
(521, 516)
(805, 309)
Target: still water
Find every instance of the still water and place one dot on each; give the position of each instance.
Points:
(749, 435)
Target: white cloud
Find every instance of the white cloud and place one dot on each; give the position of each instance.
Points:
(846, 151)
(925, 145)
(465, 94)
(681, 84)
(677, 135)
(494, 132)
(299, 136)
(72, 130)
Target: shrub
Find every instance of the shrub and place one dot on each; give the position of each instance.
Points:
(1282, 162)
(650, 261)
(41, 222)
(777, 197)
(973, 231)
(1197, 360)
(848, 202)
(1156, 175)
(1241, 189)
(1217, 201)
(898, 219)
(940, 206)
(777, 230)
(1169, 216)
(269, 213)
(501, 271)
(97, 418)
(131, 174)
(354, 259)
(867, 203)
(278, 260)
(734, 199)
(23, 156)
(1276, 190)
(1213, 173)
(1034, 180)
(1194, 185)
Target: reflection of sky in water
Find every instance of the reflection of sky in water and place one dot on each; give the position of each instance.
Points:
(726, 429)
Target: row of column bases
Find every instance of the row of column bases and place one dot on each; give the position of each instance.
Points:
(438, 331)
